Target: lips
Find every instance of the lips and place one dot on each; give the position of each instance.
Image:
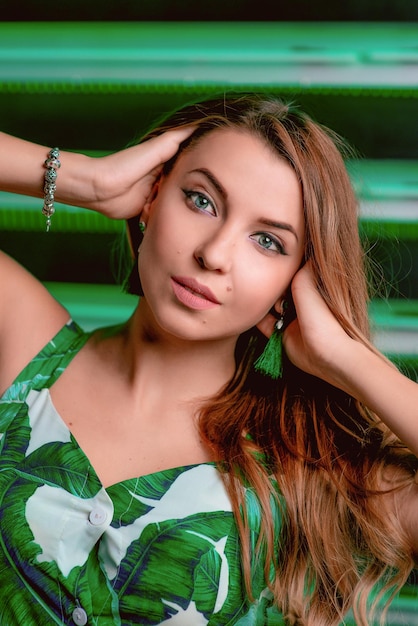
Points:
(193, 294)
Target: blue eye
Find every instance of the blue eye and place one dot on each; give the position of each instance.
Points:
(268, 242)
(199, 201)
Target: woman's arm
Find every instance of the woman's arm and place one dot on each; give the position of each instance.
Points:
(316, 343)
(117, 185)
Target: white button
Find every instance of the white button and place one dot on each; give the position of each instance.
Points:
(97, 516)
(79, 616)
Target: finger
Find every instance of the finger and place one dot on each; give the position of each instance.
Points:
(304, 278)
(305, 292)
(166, 145)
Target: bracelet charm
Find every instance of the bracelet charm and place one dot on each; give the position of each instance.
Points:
(52, 164)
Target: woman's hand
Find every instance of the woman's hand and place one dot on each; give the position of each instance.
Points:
(118, 185)
(315, 341)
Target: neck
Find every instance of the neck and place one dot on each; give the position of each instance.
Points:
(184, 370)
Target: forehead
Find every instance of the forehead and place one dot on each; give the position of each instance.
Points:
(227, 141)
(239, 158)
(247, 173)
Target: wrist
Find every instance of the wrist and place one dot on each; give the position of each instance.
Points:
(359, 365)
(346, 370)
(76, 180)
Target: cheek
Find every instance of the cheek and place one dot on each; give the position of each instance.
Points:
(254, 294)
(163, 240)
(165, 226)
(262, 289)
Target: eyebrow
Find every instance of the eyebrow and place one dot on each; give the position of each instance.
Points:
(280, 226)
(215, 182)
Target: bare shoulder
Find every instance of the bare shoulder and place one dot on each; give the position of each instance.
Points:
(29, 318)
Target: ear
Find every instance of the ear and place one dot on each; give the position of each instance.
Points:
(266, 325)
(134, 234)
(148, 204)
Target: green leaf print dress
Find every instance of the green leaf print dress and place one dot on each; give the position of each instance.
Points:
(159, 549)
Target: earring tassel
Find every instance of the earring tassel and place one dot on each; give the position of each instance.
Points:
(269, 362)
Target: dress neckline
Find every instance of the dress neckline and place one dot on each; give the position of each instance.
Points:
(125, 481)
(68, 341)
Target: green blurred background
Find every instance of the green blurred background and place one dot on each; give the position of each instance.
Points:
(94, 76)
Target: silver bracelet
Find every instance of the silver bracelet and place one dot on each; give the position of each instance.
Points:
(52, 164)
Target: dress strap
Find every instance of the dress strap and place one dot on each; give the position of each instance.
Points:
(52, 360)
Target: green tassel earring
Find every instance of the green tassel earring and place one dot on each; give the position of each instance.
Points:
(269, 362)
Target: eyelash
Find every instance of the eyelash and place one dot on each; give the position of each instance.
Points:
(274, 241)
(191, 197)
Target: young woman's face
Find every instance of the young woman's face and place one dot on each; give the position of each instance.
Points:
(224, 237)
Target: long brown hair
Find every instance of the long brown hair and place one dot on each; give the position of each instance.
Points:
(311, 453)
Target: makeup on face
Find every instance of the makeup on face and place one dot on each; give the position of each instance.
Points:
(225, 235)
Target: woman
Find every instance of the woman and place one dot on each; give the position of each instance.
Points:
(176, 470)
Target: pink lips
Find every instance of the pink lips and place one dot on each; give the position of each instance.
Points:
(192, 294)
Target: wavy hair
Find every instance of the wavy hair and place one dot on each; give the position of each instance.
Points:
(301, 441)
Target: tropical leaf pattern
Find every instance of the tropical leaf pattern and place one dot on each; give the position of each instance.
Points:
(159, 549)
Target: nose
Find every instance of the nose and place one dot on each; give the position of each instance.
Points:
(215, 253)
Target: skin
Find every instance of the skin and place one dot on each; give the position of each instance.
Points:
(241, 236)
(222, 240)
(130, 366)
